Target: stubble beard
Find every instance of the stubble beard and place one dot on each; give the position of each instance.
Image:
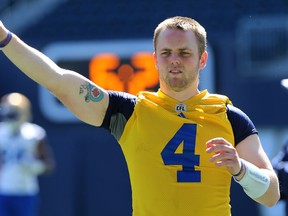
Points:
(178, 84)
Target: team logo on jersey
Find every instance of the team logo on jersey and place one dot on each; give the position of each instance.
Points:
(180, 107)
(182, 115)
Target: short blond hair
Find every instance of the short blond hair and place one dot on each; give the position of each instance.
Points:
(183, 23)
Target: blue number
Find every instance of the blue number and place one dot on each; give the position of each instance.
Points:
(188, 159)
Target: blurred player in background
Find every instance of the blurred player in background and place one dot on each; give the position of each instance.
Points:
(280, 164)
(182, 145)
(23, 156)
(284, 84)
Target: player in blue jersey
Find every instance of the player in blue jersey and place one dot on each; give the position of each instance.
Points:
(24, 155)
(182, 145)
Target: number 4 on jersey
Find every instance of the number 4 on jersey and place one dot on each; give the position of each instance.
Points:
(188, 159)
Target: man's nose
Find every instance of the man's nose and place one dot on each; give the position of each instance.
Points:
(175, 60)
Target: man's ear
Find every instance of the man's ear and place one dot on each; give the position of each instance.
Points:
(155, 60)
(203, 60)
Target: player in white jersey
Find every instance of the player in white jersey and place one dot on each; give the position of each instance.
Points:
(23, 156)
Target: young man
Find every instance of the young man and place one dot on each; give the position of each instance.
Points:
(24, 154)
(182, 146)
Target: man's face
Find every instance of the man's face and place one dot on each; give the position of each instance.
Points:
(11, 115)
(177, 59)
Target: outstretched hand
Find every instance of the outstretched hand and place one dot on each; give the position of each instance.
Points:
(224, 154)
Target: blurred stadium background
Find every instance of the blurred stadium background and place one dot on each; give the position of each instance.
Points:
(248, 44)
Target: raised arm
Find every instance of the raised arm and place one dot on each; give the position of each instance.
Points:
(84, 98)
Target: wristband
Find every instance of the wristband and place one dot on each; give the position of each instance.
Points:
(255, 182)
(241, 169)
(6, 41)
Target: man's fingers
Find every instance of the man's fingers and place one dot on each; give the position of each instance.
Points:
(217, 140)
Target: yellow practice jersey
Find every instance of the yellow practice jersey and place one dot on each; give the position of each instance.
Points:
(164, 143)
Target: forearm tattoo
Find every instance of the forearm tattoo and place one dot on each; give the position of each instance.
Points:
(91, 92)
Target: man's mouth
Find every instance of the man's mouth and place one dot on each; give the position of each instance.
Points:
(175, 72)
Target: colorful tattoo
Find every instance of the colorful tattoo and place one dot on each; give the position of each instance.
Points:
(91, 92)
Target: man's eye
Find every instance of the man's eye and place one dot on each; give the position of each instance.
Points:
(165, 53)
(185, 53)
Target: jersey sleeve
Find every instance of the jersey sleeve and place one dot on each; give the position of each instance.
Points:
(120, 108)
(241, 124)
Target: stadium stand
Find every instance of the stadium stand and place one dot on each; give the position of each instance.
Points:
(77, 188)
